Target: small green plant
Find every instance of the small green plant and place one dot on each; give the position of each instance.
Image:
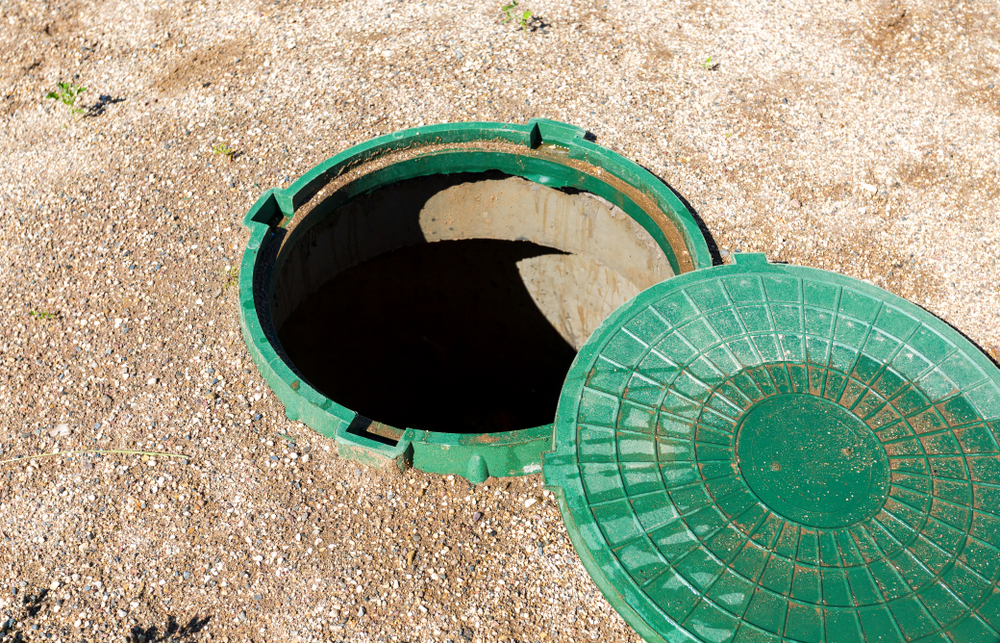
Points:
(68, 94)
(509, 13)
(709, 65)
(222, 150)
(231, 276)
(41, 314)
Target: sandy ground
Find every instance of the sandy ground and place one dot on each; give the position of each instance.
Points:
(857, 136)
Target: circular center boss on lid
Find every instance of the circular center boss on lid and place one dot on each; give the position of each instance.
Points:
(812, 461)
(761, 453)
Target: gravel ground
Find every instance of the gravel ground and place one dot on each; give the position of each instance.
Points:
(857, 136)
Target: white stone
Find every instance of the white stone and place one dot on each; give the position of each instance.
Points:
(60, 430)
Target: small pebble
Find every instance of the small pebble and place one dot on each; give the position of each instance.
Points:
(60, 430)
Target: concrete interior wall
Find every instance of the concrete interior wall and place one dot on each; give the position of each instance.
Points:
(606, 258)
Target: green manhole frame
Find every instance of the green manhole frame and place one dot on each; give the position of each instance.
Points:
(542, 151)
(563, 476)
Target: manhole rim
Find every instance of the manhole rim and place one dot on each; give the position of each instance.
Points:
(474, 456)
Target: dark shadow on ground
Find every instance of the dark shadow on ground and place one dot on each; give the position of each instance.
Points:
(102, 103)
(172, 631)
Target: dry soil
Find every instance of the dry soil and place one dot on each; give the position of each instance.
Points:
(859, 136)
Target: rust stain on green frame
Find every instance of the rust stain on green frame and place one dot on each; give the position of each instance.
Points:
(546, 152)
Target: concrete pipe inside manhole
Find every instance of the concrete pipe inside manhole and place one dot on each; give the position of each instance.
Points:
(421, 297)
(456, 302)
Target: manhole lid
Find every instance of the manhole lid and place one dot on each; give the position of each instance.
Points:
(765, 453)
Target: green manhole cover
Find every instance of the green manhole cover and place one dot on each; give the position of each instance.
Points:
(764, 453)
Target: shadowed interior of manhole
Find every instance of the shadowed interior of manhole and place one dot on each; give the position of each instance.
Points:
(457, 302)
(442, 335)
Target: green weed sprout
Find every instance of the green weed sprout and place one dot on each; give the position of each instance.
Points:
(68, 94)
(41, 314)
(508, 11)
(709, 65)
(523, 17)
(222, 150)
(232, 277)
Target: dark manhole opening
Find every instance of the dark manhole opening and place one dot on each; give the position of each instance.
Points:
(453, 303)
(441, 336)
